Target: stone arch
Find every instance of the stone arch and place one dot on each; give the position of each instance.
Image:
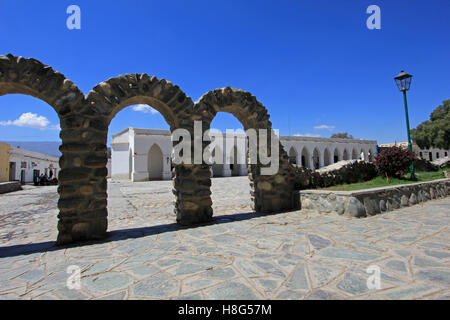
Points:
(80, 213)
(293, 155)
(316, 158)
(305, 158)
(155, 162)
(354, 154)
(84, 122)
(270, 193)
(191, 181)
(345, 155)
(326, 157)
(336, 155)
(371, 155)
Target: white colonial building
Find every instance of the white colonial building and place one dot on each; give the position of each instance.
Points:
(24, 165)
(145, 154)
(426, 154)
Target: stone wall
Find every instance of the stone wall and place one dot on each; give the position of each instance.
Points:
(363, 203)
(346, 171)
(11, 186)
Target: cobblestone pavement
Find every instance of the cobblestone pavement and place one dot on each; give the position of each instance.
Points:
(241, 255)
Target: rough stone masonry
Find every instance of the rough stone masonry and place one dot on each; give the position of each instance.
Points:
(84, 121)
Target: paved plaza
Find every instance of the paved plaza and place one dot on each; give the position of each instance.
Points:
(241, 255)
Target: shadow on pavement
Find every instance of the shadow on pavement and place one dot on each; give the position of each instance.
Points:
(123, 234)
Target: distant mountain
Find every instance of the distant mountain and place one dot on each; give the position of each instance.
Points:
(50, 148)
(46, 147)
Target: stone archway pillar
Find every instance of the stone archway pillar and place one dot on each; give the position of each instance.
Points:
(321, 159)
(312, 164)
(331, 157)
(82, 175)
(192, 186)
(82, 184)
(243, 170)
(193, 195)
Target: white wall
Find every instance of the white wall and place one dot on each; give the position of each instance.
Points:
(33, 161)
(436, 153)
(141, 140)
(331, 145)
(119, 161)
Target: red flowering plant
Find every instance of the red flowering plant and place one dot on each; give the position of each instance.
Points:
(394, 161)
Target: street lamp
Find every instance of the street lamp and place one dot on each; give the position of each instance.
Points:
(403, 81)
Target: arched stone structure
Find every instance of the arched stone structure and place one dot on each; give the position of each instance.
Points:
(327, 157)
(191, 181)
(84, 122)
(293, 155)
(270, 193)
(336, 155)
(371, 155)
(354, 154)
(82, 215)
(316, 159)
(345, 155)
(305, 158)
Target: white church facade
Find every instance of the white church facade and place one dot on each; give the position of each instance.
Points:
(145, 154)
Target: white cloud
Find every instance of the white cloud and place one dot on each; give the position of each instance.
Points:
(324, 126)
(307, 135)
(55, 127)
(145, 109)
(30, 120)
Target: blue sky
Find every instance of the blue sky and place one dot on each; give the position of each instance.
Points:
(314, 64)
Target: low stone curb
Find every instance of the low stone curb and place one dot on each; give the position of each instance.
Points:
(369, 202)
(11, 186)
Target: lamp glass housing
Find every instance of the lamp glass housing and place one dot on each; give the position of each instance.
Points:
(403, 81)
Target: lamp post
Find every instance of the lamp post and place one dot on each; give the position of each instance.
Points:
(403, 81)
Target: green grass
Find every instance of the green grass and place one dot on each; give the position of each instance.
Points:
(422, 176)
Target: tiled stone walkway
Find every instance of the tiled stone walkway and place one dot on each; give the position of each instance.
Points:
(245, 256)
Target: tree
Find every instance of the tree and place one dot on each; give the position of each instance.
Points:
(342, 135)
(436, 131)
